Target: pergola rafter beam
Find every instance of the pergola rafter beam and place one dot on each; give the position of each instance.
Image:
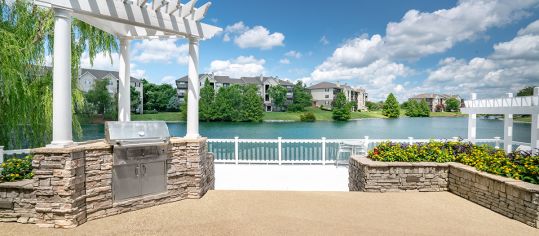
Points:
(187, 9)
(200, 13)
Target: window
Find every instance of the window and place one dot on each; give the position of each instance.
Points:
(326, 90)
(327, 96)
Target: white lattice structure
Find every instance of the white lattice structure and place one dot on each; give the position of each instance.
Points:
(508, 107)
(127, 20)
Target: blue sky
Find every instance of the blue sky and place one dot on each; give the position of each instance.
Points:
(404, 47)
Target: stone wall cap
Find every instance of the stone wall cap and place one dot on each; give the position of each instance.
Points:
(22, 184)
(77, 147)
(528, 187)
(464, 167)
(429, 164)
(188, 140)
(95, 144)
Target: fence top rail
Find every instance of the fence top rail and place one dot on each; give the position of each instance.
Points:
(340, 140)
(18, 151)
(524, 101)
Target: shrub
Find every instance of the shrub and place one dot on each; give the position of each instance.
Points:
(518, 165)
(17, 169)
(150, 112)
(307, 117)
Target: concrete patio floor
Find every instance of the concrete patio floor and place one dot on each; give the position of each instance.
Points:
(301, 213)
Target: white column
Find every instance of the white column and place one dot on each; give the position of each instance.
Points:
(193, 91)
(472, 123)
(124, 88)
(61, 86)
(535, 126)
(508, 130)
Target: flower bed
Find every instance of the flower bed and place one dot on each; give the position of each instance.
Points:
(15, 169)
(518, 165)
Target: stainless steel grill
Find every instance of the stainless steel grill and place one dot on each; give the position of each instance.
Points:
(140, 154)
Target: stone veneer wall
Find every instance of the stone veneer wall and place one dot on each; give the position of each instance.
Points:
(512, 198)
(17, 202)
(372, 176)
(74, 184)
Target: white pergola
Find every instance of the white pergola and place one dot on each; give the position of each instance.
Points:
(127, 20)
(508, 107)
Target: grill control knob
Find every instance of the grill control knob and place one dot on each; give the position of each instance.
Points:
(141, 133)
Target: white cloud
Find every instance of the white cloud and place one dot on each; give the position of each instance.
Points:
(511, 66)
(255, 37)
(284, 61)
(169, 79)
(101, 61)
(164, 51)
(136, 72)
(324, 40)
(293, 54)
(374, 62)
(423, 33)
(238, 67)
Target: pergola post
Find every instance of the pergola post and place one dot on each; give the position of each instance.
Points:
(61, 98)
(193, 90)
(472, 123)
(124, 88)
(508, 130)
(535, 125)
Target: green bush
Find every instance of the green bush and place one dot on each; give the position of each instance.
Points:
(307, 117)
(17, 169)
(517, 165)
(150, 112)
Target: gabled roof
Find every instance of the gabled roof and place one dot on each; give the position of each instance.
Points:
(100, 74)
(243, 80)
(323, 85)
(433, 95)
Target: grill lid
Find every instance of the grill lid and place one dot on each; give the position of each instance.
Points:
(136, 132)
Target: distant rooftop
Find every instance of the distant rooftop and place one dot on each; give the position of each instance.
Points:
(432, 95)
(258, 80)
(329, 85)
(99, 74)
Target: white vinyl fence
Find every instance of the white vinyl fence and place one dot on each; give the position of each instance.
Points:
(301, 151)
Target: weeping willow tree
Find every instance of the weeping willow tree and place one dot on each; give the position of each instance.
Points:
(26, 41)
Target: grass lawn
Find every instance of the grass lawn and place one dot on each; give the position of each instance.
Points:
(321, 115)
(164, 116)
(526, 119)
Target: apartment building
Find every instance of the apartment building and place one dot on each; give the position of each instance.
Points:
(325, 92)
(261, 82)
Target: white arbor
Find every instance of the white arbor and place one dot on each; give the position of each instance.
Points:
(508, 107)
(127, 20)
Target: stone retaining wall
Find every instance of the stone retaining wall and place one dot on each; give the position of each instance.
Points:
(74, 184)
(512, 198)
(17, 202)
(372, 176)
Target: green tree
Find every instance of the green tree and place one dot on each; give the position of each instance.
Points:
(391, 107)
(528, 91)
(278, 95)
(302, 98)
(206, 103)
(25, 86)
(424, 109)
(135, 100)
(158, 97)
(252, 106)
(412, 108)
(374, 106)
(227, 103)
(99, 98)
(342, 110)
(452, 104)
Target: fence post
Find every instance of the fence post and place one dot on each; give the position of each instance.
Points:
(366, 144)
(280, 149)
(323, 150)
(411, 140)
(1, 154)
(236, 150)
(456, 139)
(497, 146)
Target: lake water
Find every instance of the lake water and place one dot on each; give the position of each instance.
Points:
(374, 128)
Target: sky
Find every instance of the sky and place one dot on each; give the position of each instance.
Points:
(490, 47)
